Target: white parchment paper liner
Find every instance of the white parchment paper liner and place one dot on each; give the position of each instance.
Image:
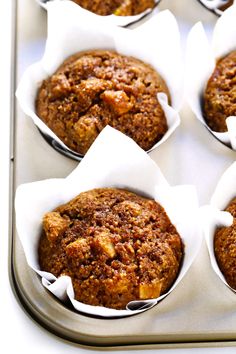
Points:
(213, 215)
(116, 20)
(145, 42)
(201, 58)
(113, 160)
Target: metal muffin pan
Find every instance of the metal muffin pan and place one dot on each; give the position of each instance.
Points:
(201, 309)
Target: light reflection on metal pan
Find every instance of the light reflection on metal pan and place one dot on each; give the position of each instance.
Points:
(61, 149)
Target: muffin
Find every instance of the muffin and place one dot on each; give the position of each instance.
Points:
(93, 89)
(225, 247)
(220, 93)
(116, 7)
(115, 245)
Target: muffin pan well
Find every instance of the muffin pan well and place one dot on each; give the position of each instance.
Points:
(203, 55)
(76, 133)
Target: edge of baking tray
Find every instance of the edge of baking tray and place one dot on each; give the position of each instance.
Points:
(39, 314)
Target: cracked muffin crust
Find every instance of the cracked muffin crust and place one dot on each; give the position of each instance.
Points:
(93, 89)
(225, 247)
(220, 94)
(115, 245)
(116, 7)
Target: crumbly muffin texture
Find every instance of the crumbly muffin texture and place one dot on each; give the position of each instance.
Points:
(116, 7)
(93, 89)
(220, 94)
(115, 245)
(225, 247)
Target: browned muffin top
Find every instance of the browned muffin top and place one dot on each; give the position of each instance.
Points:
(93, 89)
(225, 247)
(116, 7)
(115, 245)
(220, 94)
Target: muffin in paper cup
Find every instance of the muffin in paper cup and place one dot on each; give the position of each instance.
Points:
(214, 216)
(163, 53)
(113, 19)
(216, 6)
(114, 160)
(201, 59)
